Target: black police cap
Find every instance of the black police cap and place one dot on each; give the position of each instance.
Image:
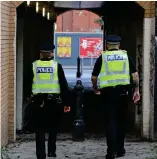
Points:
(47, 47)
(113, 39)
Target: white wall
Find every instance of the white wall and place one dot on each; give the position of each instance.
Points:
(19, 75)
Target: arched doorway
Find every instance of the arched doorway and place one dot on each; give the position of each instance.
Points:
(114, 24)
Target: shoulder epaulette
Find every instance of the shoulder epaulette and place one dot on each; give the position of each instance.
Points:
(124, 51)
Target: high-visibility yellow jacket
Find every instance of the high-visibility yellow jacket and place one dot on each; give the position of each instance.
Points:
(114, 69)
(45, 77)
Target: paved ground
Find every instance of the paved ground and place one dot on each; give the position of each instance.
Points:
(92, 148)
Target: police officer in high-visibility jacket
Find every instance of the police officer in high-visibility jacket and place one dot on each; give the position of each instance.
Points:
(116, 71)
(49, 95)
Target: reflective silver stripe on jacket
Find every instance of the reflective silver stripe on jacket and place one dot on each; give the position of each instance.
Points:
(124, 71)
(127, 81)
(46, 90)
(47, 81)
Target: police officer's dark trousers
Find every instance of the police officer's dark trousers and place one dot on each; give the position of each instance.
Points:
(115, 101)
(40, 143)
(47, 118)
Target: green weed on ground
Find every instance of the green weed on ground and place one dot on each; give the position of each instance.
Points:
(4, 153)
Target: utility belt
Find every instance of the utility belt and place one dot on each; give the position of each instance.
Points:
(40, 98)
(122, 90)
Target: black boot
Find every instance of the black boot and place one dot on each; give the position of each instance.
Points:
(110, 156)
(50, 154)
(121, 153)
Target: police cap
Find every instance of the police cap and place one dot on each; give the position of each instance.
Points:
(47, 47)
(113, 39)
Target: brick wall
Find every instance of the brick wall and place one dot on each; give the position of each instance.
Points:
(8, 11)
(149, 7)
(70, 21)
(5, 20)
(12, 74)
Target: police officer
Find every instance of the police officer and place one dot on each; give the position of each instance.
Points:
(49, 89)
(116, 70)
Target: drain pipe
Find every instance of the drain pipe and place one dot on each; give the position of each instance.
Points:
(155, 84)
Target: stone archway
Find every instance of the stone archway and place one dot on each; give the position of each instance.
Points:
(8, 68)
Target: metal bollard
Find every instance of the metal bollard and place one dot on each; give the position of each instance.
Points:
(78, 125)
(78, 133)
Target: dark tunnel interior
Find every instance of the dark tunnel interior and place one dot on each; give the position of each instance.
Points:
(37, 29)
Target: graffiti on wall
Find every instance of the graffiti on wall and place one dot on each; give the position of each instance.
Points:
(152, 68)
(139, 62)
(151, 85)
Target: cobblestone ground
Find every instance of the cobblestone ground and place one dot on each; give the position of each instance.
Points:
(89, 149)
